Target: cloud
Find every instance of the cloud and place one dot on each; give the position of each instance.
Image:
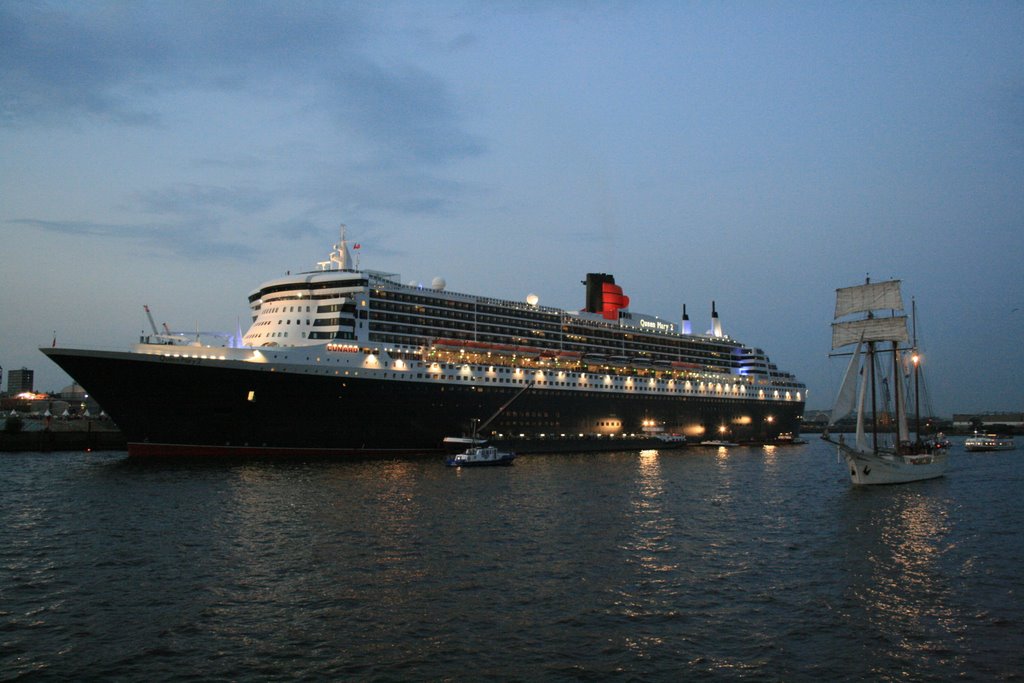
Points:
(300, 228)
(60, 66)
(357, 192)
(193, 241)
(112, 62)
(406, 110)
(192, 199)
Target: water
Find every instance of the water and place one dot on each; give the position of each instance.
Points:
(763, 564)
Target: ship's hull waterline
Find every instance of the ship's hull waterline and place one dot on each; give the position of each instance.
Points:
(225, 406)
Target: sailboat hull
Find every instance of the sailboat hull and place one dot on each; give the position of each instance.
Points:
(886, 468)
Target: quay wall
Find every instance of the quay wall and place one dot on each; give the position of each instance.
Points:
(46, 442)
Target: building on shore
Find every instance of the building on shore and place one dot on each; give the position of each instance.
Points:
(816, 420)
(819, 420)
(988, 421)
(72, 402)
(20, 381)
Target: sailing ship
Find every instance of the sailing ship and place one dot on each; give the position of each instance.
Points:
(872, 317)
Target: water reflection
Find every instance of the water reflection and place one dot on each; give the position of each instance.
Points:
(899, 595)
(648, 502)
(649, 466)
(645, 594)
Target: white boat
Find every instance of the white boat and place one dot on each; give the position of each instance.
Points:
(989, 442)
(671, 439)
(878, 457)
(718, 443)
(476, 456)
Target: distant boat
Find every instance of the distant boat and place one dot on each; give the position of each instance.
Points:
(677, 440)
(718, 443)
(989, 442)
(477, 456)
(884, 458)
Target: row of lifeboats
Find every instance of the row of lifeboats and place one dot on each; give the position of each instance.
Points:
(559, 355)
(509, 348)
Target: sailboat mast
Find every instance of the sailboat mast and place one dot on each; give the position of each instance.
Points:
(916, 359)
(875, 409)
(898, 389)
(874, 404)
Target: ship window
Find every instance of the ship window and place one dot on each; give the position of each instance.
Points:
(252, 395)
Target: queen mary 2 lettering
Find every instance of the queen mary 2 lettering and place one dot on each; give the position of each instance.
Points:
(344, 361)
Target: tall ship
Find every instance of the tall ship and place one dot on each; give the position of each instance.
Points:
(871, 317)
(344, 361)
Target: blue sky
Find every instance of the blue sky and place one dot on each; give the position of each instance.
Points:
(760, 155)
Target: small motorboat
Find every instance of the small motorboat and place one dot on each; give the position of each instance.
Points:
(677, 440)
(478, 456)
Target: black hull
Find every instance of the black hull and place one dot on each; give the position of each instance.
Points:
(168, 406)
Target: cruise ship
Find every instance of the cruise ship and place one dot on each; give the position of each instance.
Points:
(344, 361)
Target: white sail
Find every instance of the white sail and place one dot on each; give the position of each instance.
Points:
(903, 433)
(844, 404)
(869, 297)
(872, 329)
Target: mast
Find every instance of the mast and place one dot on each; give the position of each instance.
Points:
(340, 258)
(898, 390)
(916, 359)
(874, 405)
